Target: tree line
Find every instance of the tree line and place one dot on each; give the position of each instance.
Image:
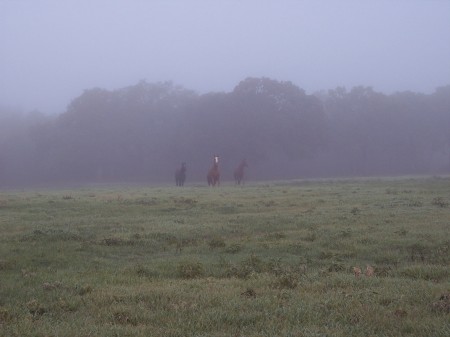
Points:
(143, 132)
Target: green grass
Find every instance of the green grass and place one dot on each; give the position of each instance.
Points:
(272, 259)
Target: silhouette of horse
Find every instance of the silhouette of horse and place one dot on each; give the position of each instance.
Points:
(213, 173)
(239, 172)
(180, 175)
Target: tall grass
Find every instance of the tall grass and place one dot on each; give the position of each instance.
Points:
(272, 259)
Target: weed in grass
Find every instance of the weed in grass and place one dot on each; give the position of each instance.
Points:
(402, 231)
(227, 209)
(113, 241)
(355, 211)
(104, 263)
(387, 258)
(440, 202)
(143, 271)
(442, 305)
(27, 273)
(124, 318)
(345, 233)
(185, 201)
(6, 265)
(233, 248)
(415, 203)
(418, 252)
(48, 286)
(326, 255)
(5, 316)
(275, 236)
(296, 249)
(83, 290)
(67, 305)
(251, 266)
(382, 271)
(165, 237)
(35, 308)
(249, 293)
(287, 280)
(441, 254)
(216, 242)
(190, 269)
(311, 237)
(339, 267)
(425, 272)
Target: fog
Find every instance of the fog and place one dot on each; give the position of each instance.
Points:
(120, 91)
(51, 51)
(143, 132)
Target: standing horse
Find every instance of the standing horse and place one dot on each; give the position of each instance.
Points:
(239, 172)
(214, 174)
(180, 175)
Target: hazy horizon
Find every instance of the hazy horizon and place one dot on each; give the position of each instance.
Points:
(52, 51)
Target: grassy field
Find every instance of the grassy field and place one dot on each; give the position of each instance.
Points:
(268, 259)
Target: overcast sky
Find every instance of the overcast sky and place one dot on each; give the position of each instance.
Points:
(50, 51)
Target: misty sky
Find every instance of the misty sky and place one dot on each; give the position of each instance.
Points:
(50, 51)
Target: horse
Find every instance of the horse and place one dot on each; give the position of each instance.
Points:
(239, 172)
(180, 175)
(213, 176)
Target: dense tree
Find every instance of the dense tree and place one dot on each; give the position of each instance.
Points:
(374, 133)
(143, 132)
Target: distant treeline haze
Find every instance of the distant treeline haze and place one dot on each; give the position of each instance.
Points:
(143, 133)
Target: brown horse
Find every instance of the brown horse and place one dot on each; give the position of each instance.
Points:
(213, 176)
(239, 172)
(180, 175)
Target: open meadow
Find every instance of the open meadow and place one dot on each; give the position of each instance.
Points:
(266, 259)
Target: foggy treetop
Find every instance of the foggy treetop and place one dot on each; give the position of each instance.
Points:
(52, 50)
(143, 133)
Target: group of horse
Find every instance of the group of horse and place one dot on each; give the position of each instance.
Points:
(213, 176)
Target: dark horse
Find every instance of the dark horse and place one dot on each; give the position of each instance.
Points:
(213, 173)
(180, 175)
(239, 172)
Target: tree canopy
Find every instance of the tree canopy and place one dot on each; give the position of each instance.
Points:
(143, 132)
